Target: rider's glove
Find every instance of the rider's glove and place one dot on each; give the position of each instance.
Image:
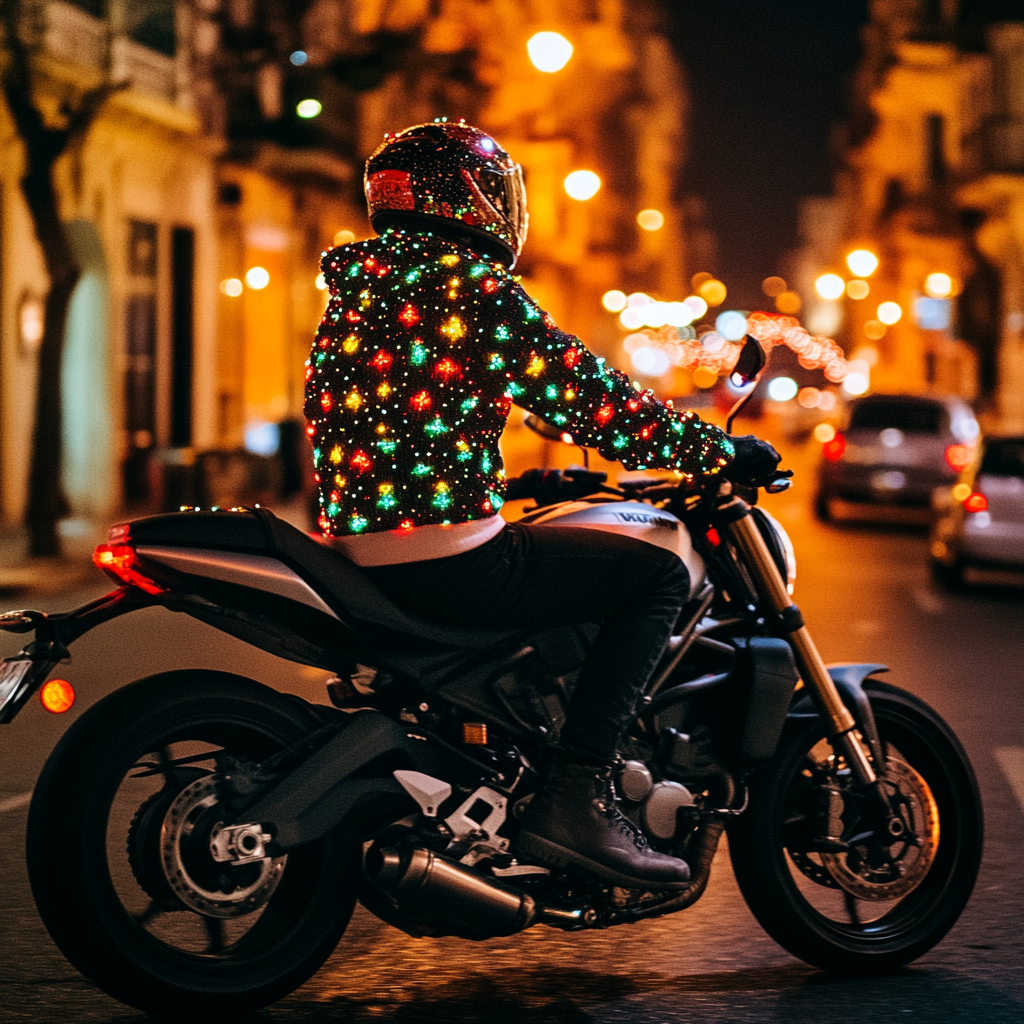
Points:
(754, 460)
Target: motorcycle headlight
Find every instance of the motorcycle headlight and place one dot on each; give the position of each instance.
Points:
(779, 544)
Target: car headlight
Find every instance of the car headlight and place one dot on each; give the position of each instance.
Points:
(783, 542)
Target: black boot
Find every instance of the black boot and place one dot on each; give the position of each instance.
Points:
(574, 819)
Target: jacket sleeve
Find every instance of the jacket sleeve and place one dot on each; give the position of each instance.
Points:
(557, 378)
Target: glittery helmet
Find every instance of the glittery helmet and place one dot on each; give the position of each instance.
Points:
(445, 171)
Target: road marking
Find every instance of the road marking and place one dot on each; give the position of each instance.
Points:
(927, 601)
(15, 803)
(1011, 760)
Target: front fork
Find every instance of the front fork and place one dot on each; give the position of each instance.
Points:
(741, 529)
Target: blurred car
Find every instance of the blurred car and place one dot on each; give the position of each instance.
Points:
(983, 521)
(896, 450)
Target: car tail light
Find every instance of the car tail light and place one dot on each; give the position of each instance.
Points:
(119, 560)
(976, 502)
(833, 450)
(957, 456)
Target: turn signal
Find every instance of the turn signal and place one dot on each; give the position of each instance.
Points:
(475, 733)
(119, 561)
(57, 696)
(976, 502)
(957, 456)
(833, 450)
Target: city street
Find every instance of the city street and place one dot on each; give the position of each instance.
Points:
(867, 595)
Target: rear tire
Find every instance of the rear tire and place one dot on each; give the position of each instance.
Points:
(802, 907)
(98, 880)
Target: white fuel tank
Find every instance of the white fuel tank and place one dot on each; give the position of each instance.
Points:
(629, 519)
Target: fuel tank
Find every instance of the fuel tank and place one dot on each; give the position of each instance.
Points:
(629, 519)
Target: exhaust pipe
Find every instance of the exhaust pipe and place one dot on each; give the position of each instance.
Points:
(476, 907)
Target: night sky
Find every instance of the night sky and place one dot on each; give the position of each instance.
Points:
(768, 80)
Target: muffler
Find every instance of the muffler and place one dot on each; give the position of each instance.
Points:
(431, 886)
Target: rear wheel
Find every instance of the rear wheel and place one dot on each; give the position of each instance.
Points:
(817, 878)
(120, 861)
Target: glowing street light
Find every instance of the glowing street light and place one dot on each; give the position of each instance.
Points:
(231, 287)
(650, 220)
(830, 286)
(582, 185)
(549, 51)
(257, 278)
(862, 263)
(614, 301)
(889, 312)
(938, 286)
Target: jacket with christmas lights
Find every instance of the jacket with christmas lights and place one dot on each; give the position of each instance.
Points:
(423, 348)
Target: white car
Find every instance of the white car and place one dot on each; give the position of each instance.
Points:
(983, 521)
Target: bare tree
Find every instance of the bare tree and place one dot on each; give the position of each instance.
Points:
(44, 142)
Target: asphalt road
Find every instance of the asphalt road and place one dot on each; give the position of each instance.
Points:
(867, 596)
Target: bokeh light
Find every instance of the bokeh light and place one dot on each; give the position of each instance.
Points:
(631, 342)
(320, 282)
(858, 289)
(679, 314)
(858, 377)
(824, 432)
(655, 314)
(299, 57)
(830, 286)
(808, 398)
(651, 220)
(582, 185)
(614, 301)
(232, 287)
(782, 389)
(651, 362)
(697, 304)
(344, 237)
(874, 330)
(308, 109)
(631, 318)
(703, 377)
(713, 292)
(862, 262)
(827, 401)
(637, 300)
(549, 51)
(773, 286)
(257, 278)
(889, 313)
(731, 325)
(788, 302)
(938, 286)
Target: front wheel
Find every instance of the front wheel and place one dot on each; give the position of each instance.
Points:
(818, 878)
(120, 858)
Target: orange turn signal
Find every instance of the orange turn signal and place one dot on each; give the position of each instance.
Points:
(475, 733)
(57, 696)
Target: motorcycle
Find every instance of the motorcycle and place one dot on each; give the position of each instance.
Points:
(197, 841)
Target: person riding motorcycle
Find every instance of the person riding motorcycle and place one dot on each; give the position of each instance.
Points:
(426, 342)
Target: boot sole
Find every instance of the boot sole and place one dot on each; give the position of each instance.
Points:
(559, 856)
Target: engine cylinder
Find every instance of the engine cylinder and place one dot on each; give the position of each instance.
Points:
(446, 891)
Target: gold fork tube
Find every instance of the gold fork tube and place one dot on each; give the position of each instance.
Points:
(746, 536)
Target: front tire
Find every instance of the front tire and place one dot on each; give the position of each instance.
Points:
(857, 912)
(98, 850)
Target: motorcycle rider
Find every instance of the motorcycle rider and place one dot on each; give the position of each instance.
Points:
(426, 342)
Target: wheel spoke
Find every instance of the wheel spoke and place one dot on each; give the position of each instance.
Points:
(154, 910)
(215, 932)
(851, 907)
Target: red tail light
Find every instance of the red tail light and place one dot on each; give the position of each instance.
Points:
(119, 561)
(833, 450)
(976, 502)
(957, 456)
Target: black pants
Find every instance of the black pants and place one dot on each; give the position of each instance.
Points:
(541, 576)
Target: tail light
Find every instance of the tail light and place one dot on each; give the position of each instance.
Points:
(833, 450)
(119, 561)
(957, 456)
(976, 502)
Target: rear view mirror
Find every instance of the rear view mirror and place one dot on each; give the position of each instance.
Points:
(750, 363)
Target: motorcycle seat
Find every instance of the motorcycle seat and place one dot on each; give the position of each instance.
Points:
(338, 580)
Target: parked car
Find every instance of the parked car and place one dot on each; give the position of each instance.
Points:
(896, 450)
(983, 520)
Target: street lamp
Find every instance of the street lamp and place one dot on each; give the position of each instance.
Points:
(830, 286)
(862, 263)
(582, 185)
(549, 51)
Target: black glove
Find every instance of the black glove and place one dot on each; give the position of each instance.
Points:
(755, 459)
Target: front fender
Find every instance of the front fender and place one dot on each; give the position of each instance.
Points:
(849, 678)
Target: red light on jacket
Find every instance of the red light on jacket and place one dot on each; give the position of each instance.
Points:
(119, 561)
(957, 456)
(976, 502)
(833, 450)
(57, 696)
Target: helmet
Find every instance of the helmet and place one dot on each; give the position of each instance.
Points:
(449, 172)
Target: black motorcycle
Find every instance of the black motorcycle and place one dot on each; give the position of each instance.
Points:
(197, 841)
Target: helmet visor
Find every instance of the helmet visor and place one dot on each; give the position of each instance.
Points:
(506, 192)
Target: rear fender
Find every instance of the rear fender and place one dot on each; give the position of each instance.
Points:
(849, 678)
